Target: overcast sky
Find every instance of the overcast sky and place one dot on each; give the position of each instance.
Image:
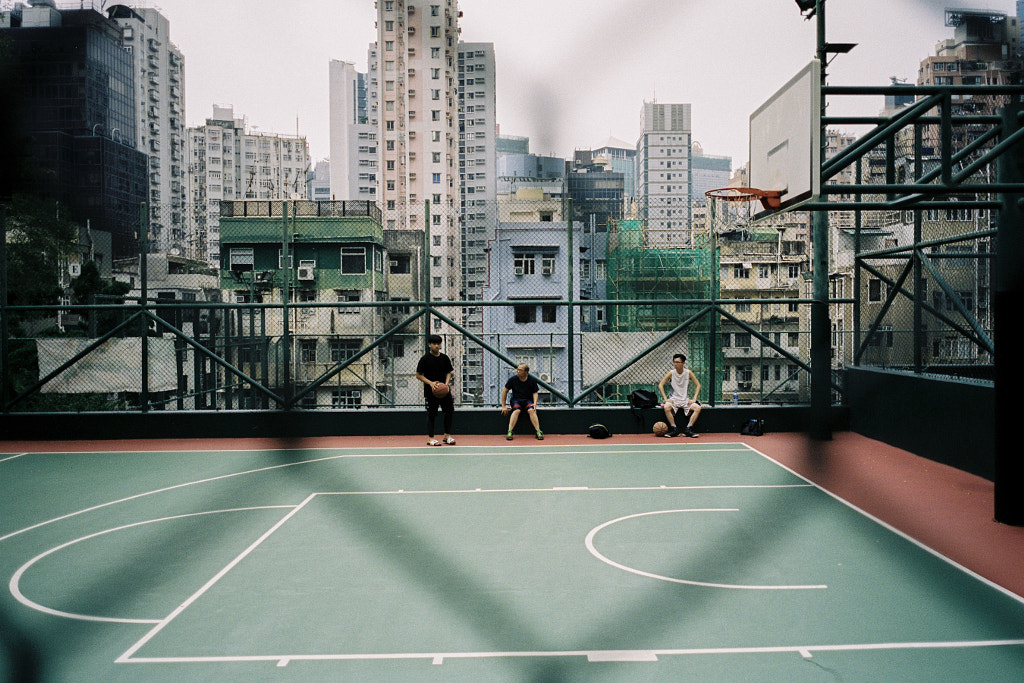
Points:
(570, 73)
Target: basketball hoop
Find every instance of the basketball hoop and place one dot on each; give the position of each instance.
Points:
(770, 200)
(734, 208)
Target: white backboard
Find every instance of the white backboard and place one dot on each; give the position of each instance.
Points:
(785, 140)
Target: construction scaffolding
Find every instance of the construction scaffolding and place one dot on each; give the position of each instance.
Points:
(671, 287)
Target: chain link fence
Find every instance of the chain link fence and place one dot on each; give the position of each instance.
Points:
(595, 311)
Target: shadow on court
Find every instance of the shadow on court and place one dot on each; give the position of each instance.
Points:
(437, 569)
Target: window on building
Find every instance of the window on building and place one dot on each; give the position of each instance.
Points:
(549, 313)
(525, 314)
(743, 340)
(240, 259)
(307, 350)
(547, 264)
(353, 260)
(525, 264)
(343, 349)
(346, 398)
(874, 289)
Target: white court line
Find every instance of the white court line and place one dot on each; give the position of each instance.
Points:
(422, 453)
(15, 583)
(220, 477)
(12, 457)
(901, 534)
(589, 542)
(592, 655)
(571, 489)
(209, 584)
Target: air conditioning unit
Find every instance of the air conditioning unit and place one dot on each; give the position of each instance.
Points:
(544, 377)
(74, 269)
(743, 386)
(519, 271)
(547, 270)
(306, 273)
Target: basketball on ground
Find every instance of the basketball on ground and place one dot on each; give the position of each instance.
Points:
(440, 389)
(660, 429)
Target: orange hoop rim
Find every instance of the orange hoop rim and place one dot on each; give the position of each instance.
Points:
(770, 199)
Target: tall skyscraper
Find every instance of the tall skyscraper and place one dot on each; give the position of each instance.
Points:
(160, 125)
(228, 162)
(663, 173)
(354, 149)
(417, 89)
(478, 130)
(74, 110)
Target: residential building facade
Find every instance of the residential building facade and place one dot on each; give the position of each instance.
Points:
(230, 162)
(160, 126)
(417, 83)
(353, 130)
(663, 173)
(478, 173)
(336, 260)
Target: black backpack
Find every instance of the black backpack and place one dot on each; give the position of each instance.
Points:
(642, 398)
(598, 431)
(753, 427)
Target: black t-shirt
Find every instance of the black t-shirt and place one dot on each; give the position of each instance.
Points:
(522, 389)
(434, 368)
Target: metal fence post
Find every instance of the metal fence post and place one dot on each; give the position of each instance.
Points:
(144, 303)
(570, 345)
(1008, 293)
(5, 370)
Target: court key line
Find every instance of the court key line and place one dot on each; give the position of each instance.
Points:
(209, 584)
(589, 542)
(15, 583)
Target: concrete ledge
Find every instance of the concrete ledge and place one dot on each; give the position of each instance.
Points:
(946, 420)
(374, 422)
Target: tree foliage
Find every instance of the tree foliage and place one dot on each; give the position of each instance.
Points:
(40, 236)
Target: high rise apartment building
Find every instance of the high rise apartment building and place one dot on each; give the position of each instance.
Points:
(160, 126)
(478, 129)
(354, 151)
(228, 162)
(417, 86)
(663, 173)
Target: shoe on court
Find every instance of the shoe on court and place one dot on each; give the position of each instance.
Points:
(689, 432)
(508, 437)
(674, 431)
(540, 435)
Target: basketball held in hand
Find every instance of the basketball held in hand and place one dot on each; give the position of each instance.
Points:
(440, 389)
(660, 429)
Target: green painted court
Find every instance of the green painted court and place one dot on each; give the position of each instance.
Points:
(683, 561)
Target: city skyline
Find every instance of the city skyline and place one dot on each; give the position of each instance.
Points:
(569, 76)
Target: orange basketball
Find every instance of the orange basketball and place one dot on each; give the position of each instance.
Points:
(660, 429)
(440, 389)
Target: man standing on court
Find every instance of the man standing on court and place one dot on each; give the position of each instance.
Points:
(525, 392)
(680, 377)
(436, 368)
